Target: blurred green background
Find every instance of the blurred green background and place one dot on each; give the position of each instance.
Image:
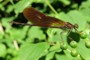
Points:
(18, 42)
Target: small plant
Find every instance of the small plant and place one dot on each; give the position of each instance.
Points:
(21, 42)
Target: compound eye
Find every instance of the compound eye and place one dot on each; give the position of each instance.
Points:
(75, 25)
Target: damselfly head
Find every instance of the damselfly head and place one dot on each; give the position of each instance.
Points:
(71, 26)
(75, 26)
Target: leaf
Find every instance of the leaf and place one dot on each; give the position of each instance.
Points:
(86, 13)
(32, 51)
(2, 50)
(15, 34)
(83, 51)
(63, 57)
(35, 32)
(85, 4)
(21, 5)
(50, 55)
(78, 18)
(54, 35)
(65, 2)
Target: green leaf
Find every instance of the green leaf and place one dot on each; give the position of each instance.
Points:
(33, 51)
(19, 33)
(77, 18)
(21, 5)
(65, 55)
(83, 50)
(65, 2)
(6, 22)
(85, 4)
(86, 13)
(2, 50)
(50, 55)
(52, 37)
(35, 32)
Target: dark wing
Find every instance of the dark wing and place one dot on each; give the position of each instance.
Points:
(40, 19)
(33, 15)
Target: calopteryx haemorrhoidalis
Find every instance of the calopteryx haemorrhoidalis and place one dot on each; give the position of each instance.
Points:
(39, 19)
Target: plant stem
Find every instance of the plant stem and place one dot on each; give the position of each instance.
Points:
(50, 6)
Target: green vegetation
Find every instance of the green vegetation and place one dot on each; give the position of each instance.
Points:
(20, 42)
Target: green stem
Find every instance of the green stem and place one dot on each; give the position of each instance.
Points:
(51, 6)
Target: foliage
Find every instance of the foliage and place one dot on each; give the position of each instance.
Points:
(18, 42)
